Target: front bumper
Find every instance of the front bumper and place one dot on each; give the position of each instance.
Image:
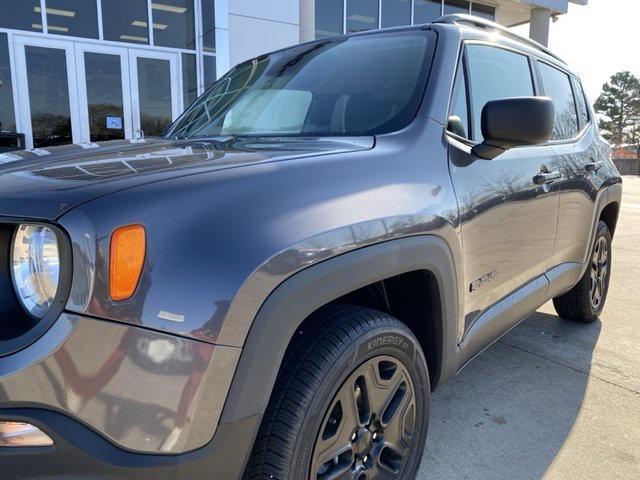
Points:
(80, 453)
(140, 392)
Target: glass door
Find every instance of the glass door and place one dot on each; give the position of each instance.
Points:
(48, 106)
(103, 90)
(155, 91)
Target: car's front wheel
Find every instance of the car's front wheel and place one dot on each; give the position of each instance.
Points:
(351, 402)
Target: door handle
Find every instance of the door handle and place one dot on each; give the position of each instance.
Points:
(593, 166)
(544, 178)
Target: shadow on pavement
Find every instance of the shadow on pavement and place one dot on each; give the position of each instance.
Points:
(509, 412)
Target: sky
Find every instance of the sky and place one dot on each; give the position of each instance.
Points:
(597, 40)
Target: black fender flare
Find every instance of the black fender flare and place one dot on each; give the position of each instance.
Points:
(304, 292)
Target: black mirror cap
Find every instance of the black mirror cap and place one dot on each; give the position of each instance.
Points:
(515, 122)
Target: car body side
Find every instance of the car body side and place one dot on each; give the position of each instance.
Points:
(237, 259)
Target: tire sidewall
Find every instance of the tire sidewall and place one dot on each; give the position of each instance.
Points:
(392, 341)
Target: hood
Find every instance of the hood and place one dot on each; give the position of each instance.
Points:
(46, 183)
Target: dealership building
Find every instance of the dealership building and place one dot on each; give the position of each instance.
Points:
(78, 71)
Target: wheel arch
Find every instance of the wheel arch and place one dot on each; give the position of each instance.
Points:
(609, 215)
(611, 207)
(295, 299)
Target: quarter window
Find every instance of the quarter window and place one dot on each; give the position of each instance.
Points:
(458, 122)
(583, 110)
(494, 74)
(557, 86)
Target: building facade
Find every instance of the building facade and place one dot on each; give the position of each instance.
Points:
(81, 71)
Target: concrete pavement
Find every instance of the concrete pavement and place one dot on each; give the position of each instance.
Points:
(552, 399)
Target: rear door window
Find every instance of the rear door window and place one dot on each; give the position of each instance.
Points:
(557, 86)
(495, 73)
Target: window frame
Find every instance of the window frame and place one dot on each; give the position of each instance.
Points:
(469, 81)
(462, 61)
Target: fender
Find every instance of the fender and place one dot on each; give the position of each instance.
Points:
(608, 195)
(564, 277)
(301, 294)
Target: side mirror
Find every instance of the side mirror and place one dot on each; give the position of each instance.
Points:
(514, 122)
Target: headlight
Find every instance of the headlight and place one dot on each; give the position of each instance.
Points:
(35, 267)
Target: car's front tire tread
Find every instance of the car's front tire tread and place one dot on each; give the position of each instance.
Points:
(330, 333)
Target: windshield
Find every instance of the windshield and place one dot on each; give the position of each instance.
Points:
(360, 85)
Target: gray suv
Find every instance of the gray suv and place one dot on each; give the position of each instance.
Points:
(273, 289)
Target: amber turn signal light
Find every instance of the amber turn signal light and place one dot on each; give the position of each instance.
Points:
(126, 259)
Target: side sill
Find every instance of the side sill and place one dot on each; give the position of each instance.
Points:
(502, 317)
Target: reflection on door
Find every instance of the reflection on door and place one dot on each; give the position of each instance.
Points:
(48, 96)
(104, 96)
(154, 93)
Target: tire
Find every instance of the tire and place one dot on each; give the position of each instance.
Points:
(343, 351)
(579, 304)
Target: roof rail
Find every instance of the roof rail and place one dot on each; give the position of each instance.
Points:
(460, 18)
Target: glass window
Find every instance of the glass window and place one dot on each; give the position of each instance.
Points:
(210, 74)
(208, 26)
(362, 15)
(583, 110)
(425, 11)
(557, 86)
(458, 122)
(48, 96)
(396, 12)
(329, 18)
(483, 11)
(337, 87)
(21, 15)
(189, 79)
(125, 20)
(154, 91)
(104, 96)
(456, 6)
(270, 111)
(495, 73)
(7, 117)
(173, 23)
(77, 18)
